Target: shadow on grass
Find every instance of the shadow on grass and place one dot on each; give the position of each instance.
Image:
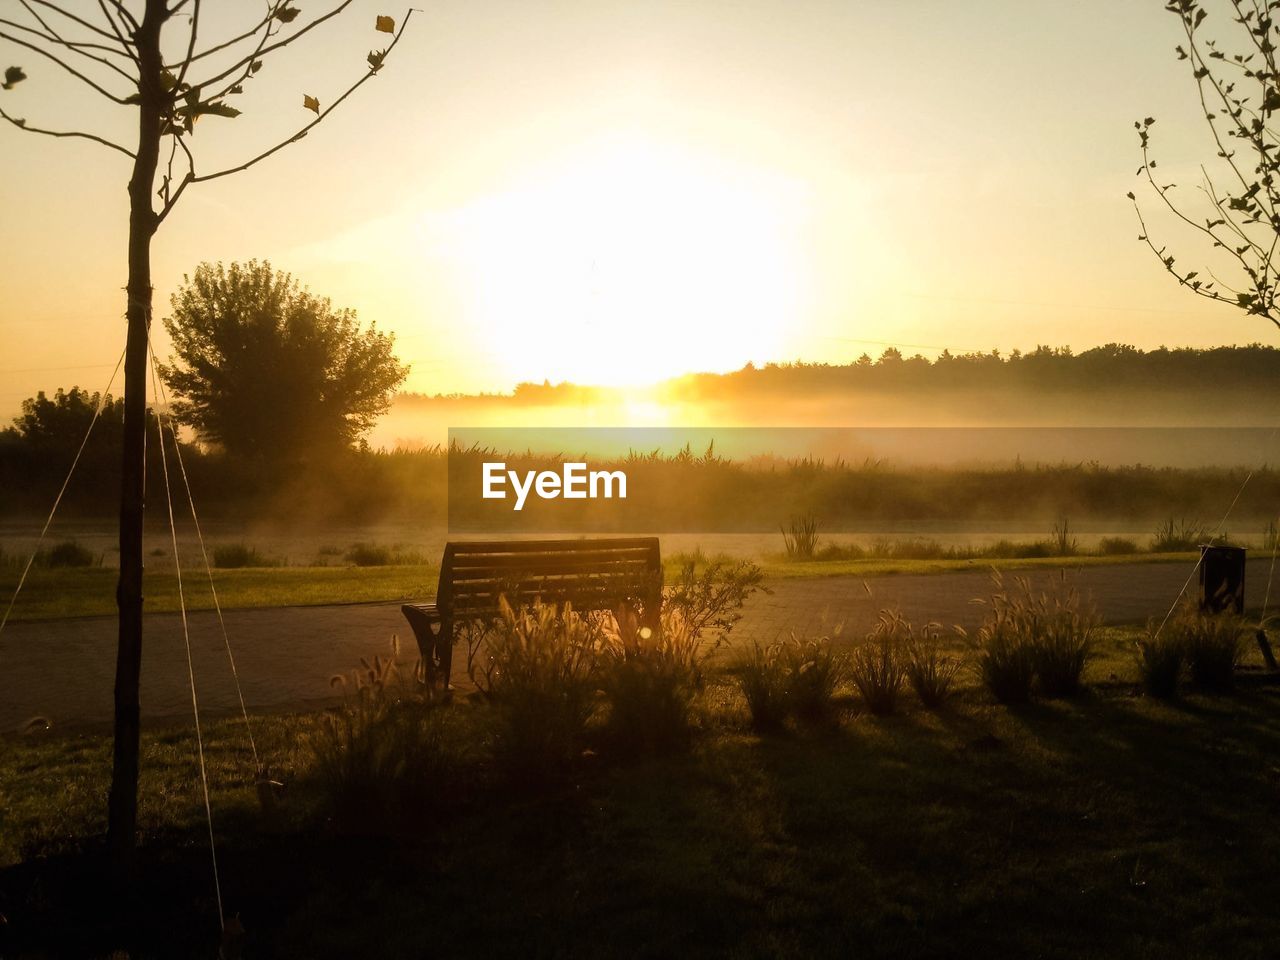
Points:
(1105, 826)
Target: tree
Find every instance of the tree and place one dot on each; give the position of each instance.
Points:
(270, 372)
(1238, 88)
(55, 426)
(120, 56)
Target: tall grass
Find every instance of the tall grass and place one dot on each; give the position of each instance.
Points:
(930, 670)
(539, 671)
(1178, 535)
(1027, 636)
(1213, 644)
(1064, 543)
(800, 537)
(790, 678)
(385, 760)
(650, 676)
(877, 666)
(1161, 658)
(814, 672)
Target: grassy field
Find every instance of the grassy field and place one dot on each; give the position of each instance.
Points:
(1107, 826)
(90, 591)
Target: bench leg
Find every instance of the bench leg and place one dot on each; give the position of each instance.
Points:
(444, 645)
(435, 646)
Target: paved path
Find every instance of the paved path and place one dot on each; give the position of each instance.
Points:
(64, 669)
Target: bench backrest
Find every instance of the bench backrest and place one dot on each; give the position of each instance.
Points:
(588, 574)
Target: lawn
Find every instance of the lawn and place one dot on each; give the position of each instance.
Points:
(1107, 826)
(90, 591)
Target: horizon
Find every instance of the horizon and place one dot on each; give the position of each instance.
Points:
(664, 193)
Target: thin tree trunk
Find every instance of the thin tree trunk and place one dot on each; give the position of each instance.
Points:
(122, 815)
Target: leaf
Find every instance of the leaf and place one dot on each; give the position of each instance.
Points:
(255, 66)
(287, 14)
(375, 58)
(311, 103)
(385, 24)
(12, 77)
(236, 89)
(218, 110)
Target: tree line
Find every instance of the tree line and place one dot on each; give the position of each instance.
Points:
(1113, 368)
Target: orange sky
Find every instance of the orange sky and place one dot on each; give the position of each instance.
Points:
(617, 192)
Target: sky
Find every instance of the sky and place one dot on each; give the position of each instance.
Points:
(617, 192)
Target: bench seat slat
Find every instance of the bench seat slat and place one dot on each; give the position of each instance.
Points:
(531, 563)
(462, 548)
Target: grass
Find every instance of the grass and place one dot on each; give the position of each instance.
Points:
(1110, 826)
(780, 568)
(90, 591)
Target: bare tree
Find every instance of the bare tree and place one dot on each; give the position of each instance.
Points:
(1238, 218)
(116, 52)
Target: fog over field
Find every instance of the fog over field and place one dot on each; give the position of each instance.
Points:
(1184, 408)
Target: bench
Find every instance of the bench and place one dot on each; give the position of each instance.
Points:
(590, 575)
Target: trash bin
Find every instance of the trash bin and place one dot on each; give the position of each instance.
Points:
(1221, 578)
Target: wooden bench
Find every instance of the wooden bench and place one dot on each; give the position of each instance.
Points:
(590, 575)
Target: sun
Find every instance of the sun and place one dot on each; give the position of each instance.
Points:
(629, 261)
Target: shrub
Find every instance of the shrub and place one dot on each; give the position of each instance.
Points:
(930, 671)
(368, 555)
(763, 678)
(710, 596)
(876, 666)
(650, 677)
(539, 668)
(800, 537)
(1161, 658)
(1117, 546)
(840, 551)
(231, 556)
(68, 553)
(1213, 644)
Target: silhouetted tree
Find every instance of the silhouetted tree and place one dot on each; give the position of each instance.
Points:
(1238, 86)
(270, 372)
(125, 53)
(55, 426)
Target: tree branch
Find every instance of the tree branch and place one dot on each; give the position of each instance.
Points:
(65, 66)
(264, 22)
(117, 33)
(70, 16)
(191, 44)
(22, 125)
(116, 50)
(123, 13)
(262, 51)
(52, 37)
(303, 132)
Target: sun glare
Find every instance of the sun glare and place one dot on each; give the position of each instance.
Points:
(630, 261)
